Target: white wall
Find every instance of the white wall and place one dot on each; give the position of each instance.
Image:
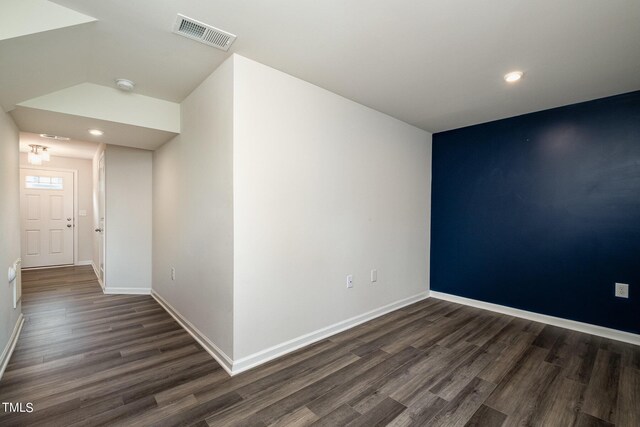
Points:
(84, 224)
(128, 219)
(9, 223)
(323, 187)
(193, 211)
(273, 193)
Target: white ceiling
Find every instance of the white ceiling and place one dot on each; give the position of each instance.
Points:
(76, 127)
(23, 17)
(72, 148)
(437, 64)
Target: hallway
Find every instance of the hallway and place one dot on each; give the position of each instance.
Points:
(89, 358)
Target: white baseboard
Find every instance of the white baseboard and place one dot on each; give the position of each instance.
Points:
(87, 262)
(261, 357)
(48, 267)
(11, 345)
(279, 350)
(221, 357)
(95, 270)
(587, 328)
(111, 290)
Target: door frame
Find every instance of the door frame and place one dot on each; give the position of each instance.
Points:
(76, 217)
(102, 202)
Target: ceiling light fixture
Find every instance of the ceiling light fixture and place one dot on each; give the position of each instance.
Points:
(96, 132)
(56, 137)
(45, 154)
(125, 84)
(513, 76)
(38, 154)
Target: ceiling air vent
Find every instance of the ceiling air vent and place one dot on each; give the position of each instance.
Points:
(203, 33)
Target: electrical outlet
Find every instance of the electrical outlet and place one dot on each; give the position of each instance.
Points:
(173, 273)
(350, 281)
(622, 290)
(374, 276)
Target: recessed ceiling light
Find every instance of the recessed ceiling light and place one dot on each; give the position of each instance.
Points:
(513, 76)
(125, 84)
(96, 132)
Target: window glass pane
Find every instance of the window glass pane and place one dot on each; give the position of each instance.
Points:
(44, 183)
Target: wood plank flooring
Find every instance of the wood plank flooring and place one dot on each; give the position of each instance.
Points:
(88, 359)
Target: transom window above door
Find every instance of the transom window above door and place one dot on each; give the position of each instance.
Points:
(44, 182)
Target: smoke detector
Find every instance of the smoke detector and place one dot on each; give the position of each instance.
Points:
(203, 33)
(125, 84)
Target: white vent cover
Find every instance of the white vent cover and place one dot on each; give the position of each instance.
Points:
(203, 33)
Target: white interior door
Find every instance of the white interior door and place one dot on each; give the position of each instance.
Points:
(100, 229)
(46, 207)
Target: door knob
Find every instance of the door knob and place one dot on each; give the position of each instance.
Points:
(98, 230)
(68, 225)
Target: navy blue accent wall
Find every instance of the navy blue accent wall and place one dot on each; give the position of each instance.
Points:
(541, 212)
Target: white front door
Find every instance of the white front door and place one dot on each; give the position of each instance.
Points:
(46, 206)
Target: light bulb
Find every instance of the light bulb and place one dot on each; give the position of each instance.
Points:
(34, 159)
(513, 76)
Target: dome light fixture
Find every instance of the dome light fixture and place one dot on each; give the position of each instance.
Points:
(96, 132)
(125, 85)
(513, 76)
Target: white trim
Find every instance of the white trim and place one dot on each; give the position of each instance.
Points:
(102, 201)
(111, 290)
(221, 357)
(278, 350)
(587, 328)
(76, 217)
(47, 267)
(17, 282)
(76, 204)
(11, 345)
(263, 356)
(97, 273)
(87, 262)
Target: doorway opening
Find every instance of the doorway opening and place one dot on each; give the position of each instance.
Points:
(58, 203)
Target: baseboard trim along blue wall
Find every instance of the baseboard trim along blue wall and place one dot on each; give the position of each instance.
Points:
(541, 212)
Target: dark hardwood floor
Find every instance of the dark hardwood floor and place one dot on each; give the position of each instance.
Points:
(85, 358)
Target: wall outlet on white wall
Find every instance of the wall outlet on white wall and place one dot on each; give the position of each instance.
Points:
(173, 273)
(622, 290)
(374, 276)
(350, 281)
